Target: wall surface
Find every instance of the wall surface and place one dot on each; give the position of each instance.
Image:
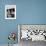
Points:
(27, 12)
(6, 26)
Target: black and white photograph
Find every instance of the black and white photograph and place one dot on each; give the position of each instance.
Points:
(10, 11)
(31, 34)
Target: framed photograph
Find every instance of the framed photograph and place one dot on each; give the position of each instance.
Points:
(10, 11)
(33, 32)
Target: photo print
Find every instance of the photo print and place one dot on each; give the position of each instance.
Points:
(10, 11)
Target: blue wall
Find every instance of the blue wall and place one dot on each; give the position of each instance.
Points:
(31, 11)
(27, 12)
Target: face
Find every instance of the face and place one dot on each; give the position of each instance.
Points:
(11, 12)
